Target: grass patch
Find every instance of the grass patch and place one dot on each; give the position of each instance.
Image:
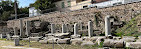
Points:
(129, 29)
(3, 39)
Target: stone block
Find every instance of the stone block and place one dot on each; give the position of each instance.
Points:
(108, 43)
(118, 44)
(50, 35)
(138, 40)
(98, 41)
(134, 45)
(139, 37)
(113, 43)
(76, 41)
(34, 38)
(75, 36)
(87, 43)
(84, 32)
(63, 41)
(116, 38)
(52, 40)
(43, 41)
(93, 38)
(128, 39)
(62, 35)
(25, 39)
(34, 34)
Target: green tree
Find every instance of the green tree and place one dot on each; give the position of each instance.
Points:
(5, 15)
(7, 5)
(5, 8)
(43, 4)
(24, 10)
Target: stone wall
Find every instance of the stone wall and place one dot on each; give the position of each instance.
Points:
(122, 13)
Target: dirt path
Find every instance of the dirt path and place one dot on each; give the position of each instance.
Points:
(10, 45)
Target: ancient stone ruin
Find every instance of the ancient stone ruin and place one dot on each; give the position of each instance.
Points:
(74, 37)
(81, 27)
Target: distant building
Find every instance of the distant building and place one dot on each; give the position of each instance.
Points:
(33, 12)
(70, 5)
(112, 3)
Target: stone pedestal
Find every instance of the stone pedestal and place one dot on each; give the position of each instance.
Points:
(16, 40)
(27, 28)
(53, 28)
(107, 26)
(90, 29)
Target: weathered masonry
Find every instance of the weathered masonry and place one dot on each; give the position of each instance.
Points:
(121, 13)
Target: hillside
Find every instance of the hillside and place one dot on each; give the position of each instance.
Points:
(131, 28)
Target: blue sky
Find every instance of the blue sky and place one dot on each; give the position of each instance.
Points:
(25, 3)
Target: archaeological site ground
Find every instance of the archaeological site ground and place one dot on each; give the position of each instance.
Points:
(116, 27)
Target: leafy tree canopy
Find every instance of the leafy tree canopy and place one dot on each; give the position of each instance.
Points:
(43, 4)
(7, 10)
(6, 6)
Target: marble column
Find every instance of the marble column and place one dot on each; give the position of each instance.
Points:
(53, 28)
(67, 27)
(1, 36)
(21, 27)
(15, 31)
(27, 28)
(90, 29)
(107, 26)
(81, 26)
(64, 29)
(75, 29)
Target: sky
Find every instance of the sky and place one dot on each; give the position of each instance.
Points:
(25, 3)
